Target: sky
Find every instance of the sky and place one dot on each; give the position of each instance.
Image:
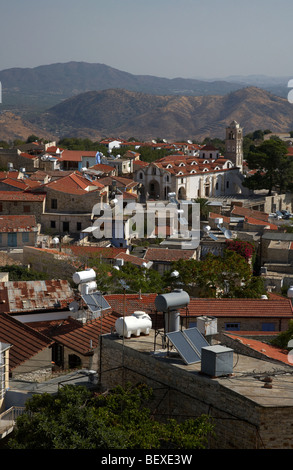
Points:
(164, 38)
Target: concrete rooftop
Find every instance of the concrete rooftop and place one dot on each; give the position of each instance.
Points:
(247, 378)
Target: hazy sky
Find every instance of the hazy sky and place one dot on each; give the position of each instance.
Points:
(166, 38)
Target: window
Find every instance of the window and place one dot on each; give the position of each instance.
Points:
(53, 224)
(78, 225)
(53, 203)
(26, 209)
(232, 326)
(227, 184)
(25, 237)
(140, 176)
(268, 327)
(1, 207)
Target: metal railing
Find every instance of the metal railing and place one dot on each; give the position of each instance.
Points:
(8, 419)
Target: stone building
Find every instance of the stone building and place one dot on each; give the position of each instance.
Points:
(247, 411)
(69, 203)
(22, 202)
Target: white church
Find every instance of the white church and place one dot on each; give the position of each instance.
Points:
(206, 174)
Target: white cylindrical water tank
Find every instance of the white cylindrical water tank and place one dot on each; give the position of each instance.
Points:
(290, 292)
(84, 276)
(87, 287)
(135, 324)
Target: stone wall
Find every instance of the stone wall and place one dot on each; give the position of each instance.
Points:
(71, 203)
(21, 207)
(239, 422)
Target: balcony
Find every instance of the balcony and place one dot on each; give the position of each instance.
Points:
(8, 419)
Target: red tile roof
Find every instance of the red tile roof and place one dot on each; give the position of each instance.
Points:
(252, 221)
(15, 223)
(21, 196)
(167, 254)
(270, 352)
(213, 215)
(20, 184)
(27, 296)
(277, 308)
(133, 302)
(75, 155)
(74, 184)
(25, 341)
(103, 252)
(120, 180)
(131, 259)
(102, 167)
(246, 212)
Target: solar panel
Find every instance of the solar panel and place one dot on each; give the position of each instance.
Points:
(186, 351)
(196, 338)
(96, 302)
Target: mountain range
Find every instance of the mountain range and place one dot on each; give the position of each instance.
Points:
(96, 101)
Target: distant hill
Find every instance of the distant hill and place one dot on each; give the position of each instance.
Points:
(95, 100)
(44, 86)
(13, 127)
(123, 113)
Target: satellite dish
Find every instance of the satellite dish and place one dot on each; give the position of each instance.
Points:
(227, 233)
(74, 307)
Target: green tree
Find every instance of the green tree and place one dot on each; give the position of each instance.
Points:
(75, 418)
(20, 273)
(216, 276)
(273, 165)
(204, 207)
(137, 279)
(283, 338)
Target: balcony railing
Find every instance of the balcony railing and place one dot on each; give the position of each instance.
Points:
(8, 419)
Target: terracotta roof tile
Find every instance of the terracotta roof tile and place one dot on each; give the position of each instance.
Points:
(131, 259)
(270, 352)
(15, 223)
(25, 342)
(74, 184)
(167, 254)
(246, 212)
(252, 221)
(21, 196)
(27, 296)
(103, 252)
(277, 308)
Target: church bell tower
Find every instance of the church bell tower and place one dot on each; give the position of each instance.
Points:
(234, 144)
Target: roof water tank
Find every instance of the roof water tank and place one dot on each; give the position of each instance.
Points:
(174, 300)
(207, 325)
(135, 324)
(216, 361)
(172, 321)
(290, 292)
(84, 276)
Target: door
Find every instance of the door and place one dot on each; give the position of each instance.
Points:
(12, 239)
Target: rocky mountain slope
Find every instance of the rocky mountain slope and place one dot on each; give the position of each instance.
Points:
(123, 113)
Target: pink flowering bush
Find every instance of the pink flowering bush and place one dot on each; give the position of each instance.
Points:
(243, 248)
